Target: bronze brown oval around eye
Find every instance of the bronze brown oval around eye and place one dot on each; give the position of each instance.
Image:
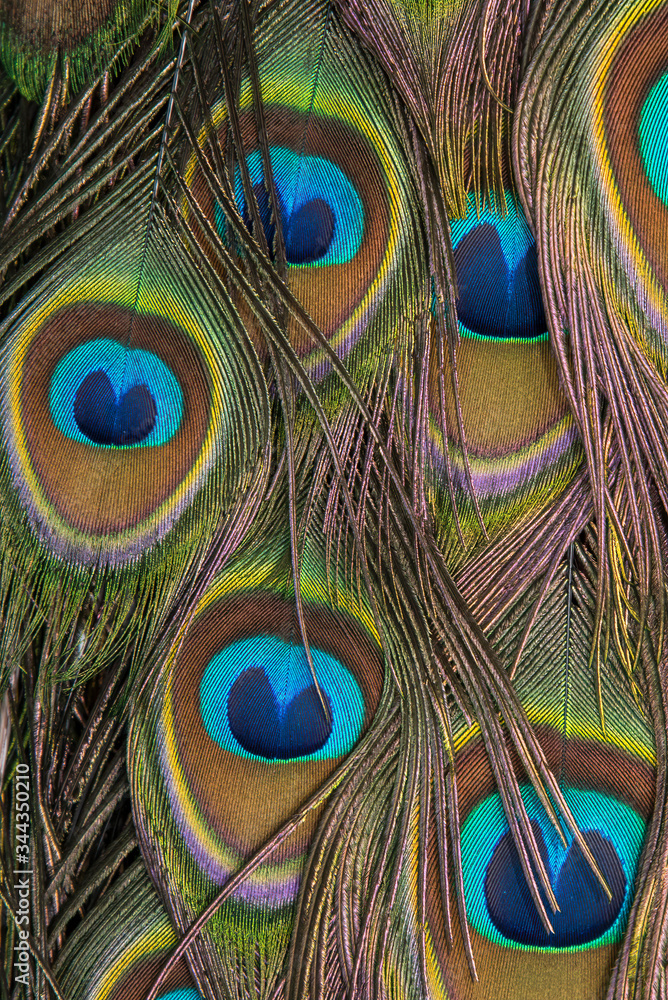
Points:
(111, 419)
(635, 137)
(249, 737)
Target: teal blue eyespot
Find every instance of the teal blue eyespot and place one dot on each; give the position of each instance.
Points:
(497, 898)
(653, 136)
(498, 290)
(106, 394)
(322, 215)
(258, 699)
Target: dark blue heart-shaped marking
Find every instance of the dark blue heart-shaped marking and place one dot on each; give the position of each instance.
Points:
(106, 420)
(263, 728)
(490, 300)
(584, 910)
(310, 232)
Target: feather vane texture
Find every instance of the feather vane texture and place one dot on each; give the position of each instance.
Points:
(604, 293)
(454, 70)
(117, 952)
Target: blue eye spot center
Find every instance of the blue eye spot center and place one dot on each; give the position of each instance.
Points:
(103, 393)
(321, 212)
(104, 419)
(498, 289)
(585, 912)
(309, 232)
(258, 699)
(653, 137)
(272, 729)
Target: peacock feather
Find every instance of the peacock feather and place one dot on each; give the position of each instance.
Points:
(333, 500)
(517, 447)
(209, 790)
(118, 952)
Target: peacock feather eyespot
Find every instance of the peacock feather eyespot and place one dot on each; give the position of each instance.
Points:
(339, 224)
(610, 792)
(113, 409)
(607, 774)
(498, 289)
(242, 711)
(346, 198)
(237, 736)
(498, 898)
(522, 444)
